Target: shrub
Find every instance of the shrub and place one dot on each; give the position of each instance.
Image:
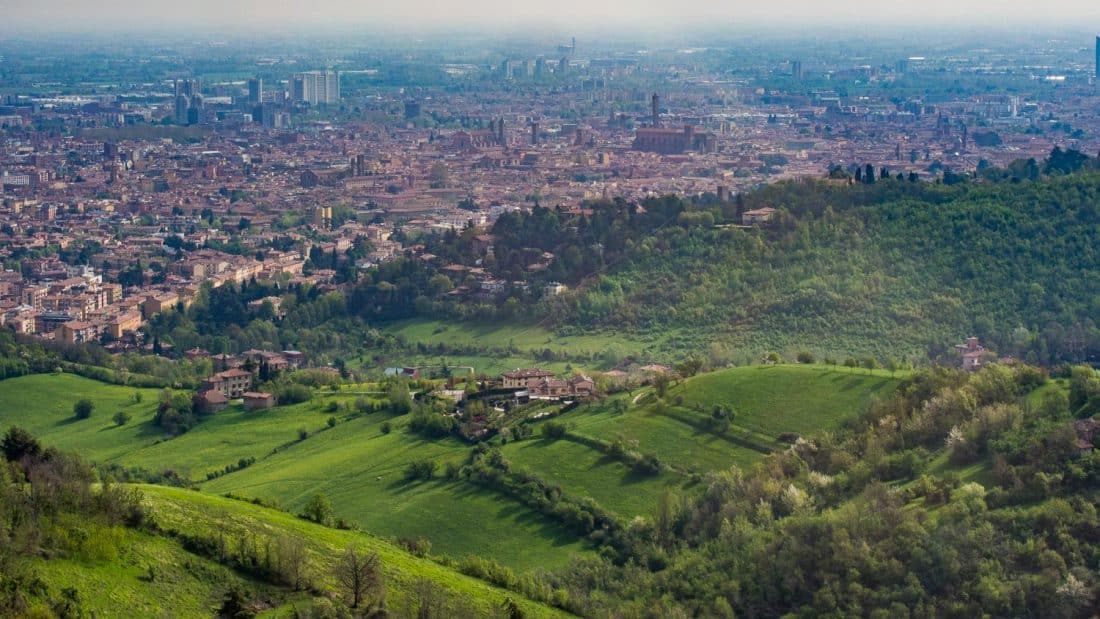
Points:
(121, 418)
(806, 357)
(331, 422)
(431, 425)
(386, 427)
(421, 469)
(303, 434)
(318, 509)
(553, 430)
(293, 393)
(648, 464)
(83, 408)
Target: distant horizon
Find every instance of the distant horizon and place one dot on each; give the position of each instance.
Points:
(665, 19)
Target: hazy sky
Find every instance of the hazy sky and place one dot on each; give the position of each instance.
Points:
(585, 15)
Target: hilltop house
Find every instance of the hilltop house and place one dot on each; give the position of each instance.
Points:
(972, 354)
(541, 383)
(524, 379)
(757, 216)
(210, 401)
(231, 383)
(254, 400)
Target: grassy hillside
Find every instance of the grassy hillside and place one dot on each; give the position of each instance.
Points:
(360, 467)
(768, 400)
(152, 575)
(777, 399)
(203, 514)
(355, 464)
(43, 404)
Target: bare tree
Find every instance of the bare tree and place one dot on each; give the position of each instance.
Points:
(426, 596)
(360, 574)
(292, 560)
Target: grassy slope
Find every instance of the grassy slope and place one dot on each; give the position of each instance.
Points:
(583, 471)
(185, 585)
(776, 399)
(201, 513)
(43, 405)
(768, 400)
(355, 465)
(359, 468)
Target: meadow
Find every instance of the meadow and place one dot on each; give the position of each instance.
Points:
(361, 470)
(359, 463)
(198, 513)
(151, 575)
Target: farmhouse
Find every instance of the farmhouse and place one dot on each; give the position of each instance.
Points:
(524, 379)
(757, 216)
(972, 354)
(254, 400)
(210, 401)
(231, 383)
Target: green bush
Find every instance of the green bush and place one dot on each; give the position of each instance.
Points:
(83, 408)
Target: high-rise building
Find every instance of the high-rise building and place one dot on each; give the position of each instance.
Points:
(195, 112)
(182, 103)
(796, 69)
(316, 87)
(188, 87)
(1098, 57)
(655, 101)
(255, 90)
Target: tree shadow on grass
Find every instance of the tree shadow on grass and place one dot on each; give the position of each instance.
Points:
(67, 421)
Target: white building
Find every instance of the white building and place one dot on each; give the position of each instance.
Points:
(316, 87)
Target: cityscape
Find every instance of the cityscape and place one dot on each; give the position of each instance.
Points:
(611, 310)
(161, 176)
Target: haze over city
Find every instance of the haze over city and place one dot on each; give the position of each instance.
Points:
(345, 309)
(579, 15)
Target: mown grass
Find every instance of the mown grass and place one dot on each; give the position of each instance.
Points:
(361, 470)
(43, 405)
(357, 466)
(768, 400)
(670, 440)
(786, 398)
(583, 471)
(197, 513)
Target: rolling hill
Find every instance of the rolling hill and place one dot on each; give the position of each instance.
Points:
(359, 463)
(153, 575)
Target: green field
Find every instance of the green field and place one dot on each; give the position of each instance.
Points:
(205, 514)
(153, 576)
(359, 467)
(768, 400)
(43, 404)
(583, 471)
(354, 464)
(184, 584)
(793, 398)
